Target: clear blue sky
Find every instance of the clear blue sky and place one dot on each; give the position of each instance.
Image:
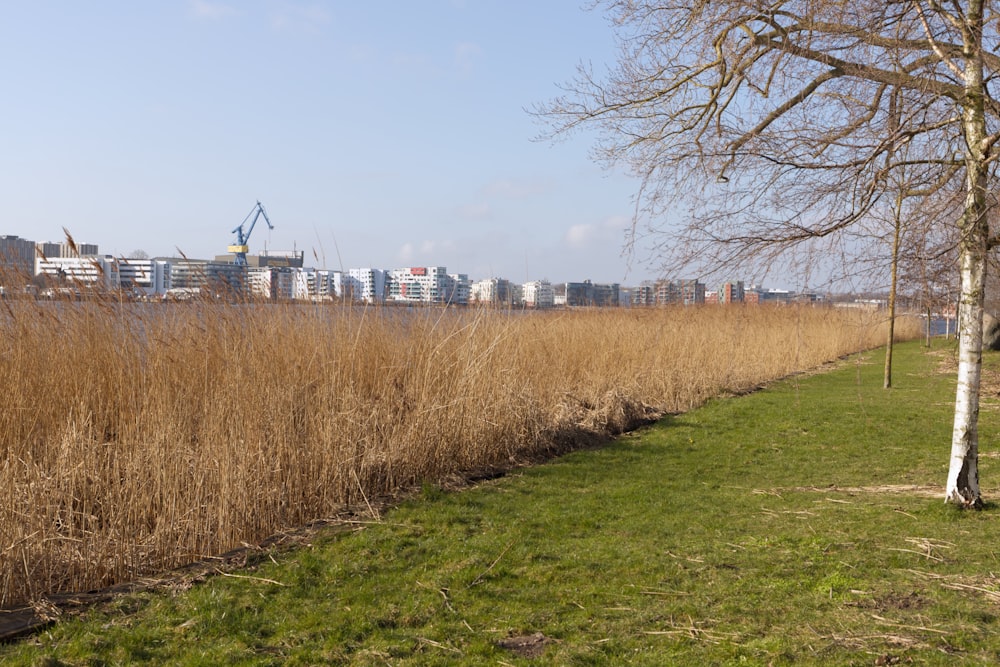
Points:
(395, 132)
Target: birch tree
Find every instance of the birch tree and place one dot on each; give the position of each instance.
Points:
(928, 265)
(778, 125)
(919, 199)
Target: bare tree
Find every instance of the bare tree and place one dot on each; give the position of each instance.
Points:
(919, 203)
(928, 260)
(918, 200)
(779, 125)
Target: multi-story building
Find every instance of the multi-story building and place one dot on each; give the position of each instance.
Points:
(494, 291)
(459, 289)
(187, 274)
(686, 292)
(141, 277)
(93, 272)
(216, 278)
(421, 284)
(269, 258)
(278, 283)
(17, 259)
(228, 280)
(588, 293)
(692, 292)
(303, 284)
(644, 294)
(262, 282)
(367, 285)
(327, 285)
(538, 294)
(64, 249)
(290, 258)
(731, 292)
(144, 276)
(757, 294)
(316, 284)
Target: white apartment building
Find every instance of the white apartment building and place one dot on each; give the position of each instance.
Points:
(140, 276)
(262, 282)
(459, 288)
(495, 291)
(270, 282)
(192, 275)
(428, 284)
(366, 285)
(280, 283)
(97, 271)
(328, 285)
(147, 276)
(303, 284)
(188, 274)
(484, 291)
(418, 284)
(538, 294)
(318, 285)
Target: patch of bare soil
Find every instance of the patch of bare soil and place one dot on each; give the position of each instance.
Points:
(989, 381)
(526, 646)
(892, 602)
(921, 491)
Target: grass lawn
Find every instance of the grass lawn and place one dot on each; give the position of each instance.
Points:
(802, 524)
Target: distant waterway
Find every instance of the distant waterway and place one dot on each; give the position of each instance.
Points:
(941, 326)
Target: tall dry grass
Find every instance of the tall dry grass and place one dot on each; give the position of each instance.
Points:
(139, 437)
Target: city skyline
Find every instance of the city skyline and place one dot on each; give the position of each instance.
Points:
(73, 248)
(84, 248)
(70, 268)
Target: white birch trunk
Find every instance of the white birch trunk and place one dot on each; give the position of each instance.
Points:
(963, 470)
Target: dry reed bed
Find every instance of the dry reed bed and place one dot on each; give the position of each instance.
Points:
(139, 437)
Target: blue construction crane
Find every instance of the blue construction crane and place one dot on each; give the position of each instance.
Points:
(241, 248)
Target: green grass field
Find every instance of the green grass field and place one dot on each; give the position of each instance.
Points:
(802, 524)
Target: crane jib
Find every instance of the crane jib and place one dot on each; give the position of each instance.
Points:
(242, 247)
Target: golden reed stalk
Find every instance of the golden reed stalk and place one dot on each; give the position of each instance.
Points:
(140, 437)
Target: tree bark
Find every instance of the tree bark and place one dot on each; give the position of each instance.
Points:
(927, 327)
(963, 470)
(894, 274)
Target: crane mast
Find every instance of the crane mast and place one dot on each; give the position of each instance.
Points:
(240, 248)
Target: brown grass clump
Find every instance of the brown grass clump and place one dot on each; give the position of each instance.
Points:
(137, 437)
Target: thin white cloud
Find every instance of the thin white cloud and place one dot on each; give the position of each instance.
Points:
(608, 230)
(427, 252)
(579, 236)
(211, 11)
